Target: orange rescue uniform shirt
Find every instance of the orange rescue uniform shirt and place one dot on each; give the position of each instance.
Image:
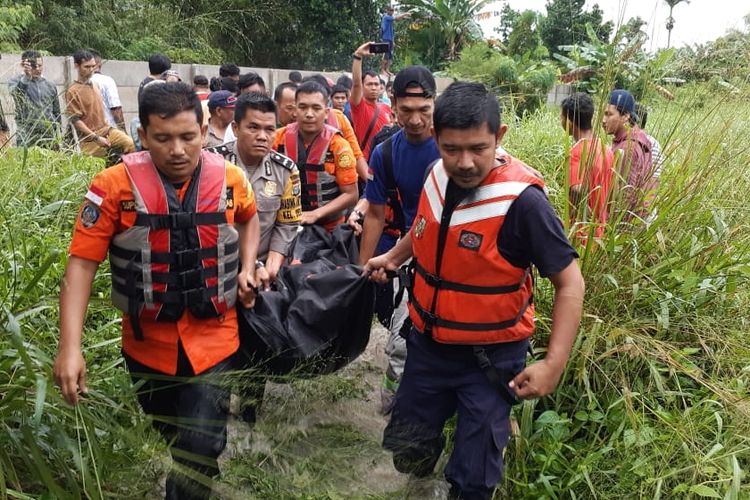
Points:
(109, 209)
(592, 166)
(340, 163)
(347, 131)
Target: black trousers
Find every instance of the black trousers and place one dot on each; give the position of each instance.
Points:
(190, 412)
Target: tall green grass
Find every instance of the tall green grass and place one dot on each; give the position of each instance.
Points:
(103, 447)
(654, 401)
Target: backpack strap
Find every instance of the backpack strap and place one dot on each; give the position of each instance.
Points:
(391, 188)
(370, 127)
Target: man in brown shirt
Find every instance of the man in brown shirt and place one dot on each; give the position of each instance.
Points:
(86, 112)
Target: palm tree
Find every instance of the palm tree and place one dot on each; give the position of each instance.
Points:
(670, 19)
(455, 19)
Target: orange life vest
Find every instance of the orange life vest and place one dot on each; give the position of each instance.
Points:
(318, 186)
(463, 290)
(177, 255)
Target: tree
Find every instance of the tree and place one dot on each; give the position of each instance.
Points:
(521, 82)
(14, 18)
(565, 24)
(524, 37)
(508, 18)
(670, 19)
(633, 28)
(454, 20)
(317, 34)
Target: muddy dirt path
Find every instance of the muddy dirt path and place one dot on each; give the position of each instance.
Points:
(317, 439)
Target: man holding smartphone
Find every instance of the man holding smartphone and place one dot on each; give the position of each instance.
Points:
(368, 114)
(37, 106)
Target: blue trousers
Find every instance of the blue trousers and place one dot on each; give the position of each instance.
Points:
(441, 380)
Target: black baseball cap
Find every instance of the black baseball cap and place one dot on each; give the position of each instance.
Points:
(414, 76)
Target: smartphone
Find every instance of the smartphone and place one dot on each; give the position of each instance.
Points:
(379, 48)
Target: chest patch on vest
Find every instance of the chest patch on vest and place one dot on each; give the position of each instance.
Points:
(470, 241)
(419, 227)
(230, 197)
(89, 215)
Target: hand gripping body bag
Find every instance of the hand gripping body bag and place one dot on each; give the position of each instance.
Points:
(318, 318)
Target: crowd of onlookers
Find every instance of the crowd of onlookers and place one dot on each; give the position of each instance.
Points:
(93, 107)
(98, 128)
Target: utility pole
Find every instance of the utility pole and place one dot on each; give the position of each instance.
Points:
(670, 19)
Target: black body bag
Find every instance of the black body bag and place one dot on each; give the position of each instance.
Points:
(318, 318)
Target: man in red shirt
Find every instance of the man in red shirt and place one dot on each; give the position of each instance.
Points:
(368, 114)
(591, 166)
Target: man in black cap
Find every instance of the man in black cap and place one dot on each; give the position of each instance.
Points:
(634, 160)
(221, 106)
(396, 176)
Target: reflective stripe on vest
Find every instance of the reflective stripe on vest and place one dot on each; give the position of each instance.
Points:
(177, 254)
(318, 186)
(473, 295)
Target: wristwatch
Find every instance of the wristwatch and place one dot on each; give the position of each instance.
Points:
(259, 264)
(355, 56)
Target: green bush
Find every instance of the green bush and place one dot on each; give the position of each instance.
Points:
(523, 82)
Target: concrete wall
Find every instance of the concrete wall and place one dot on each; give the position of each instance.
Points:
(129, 74)
(559, 92)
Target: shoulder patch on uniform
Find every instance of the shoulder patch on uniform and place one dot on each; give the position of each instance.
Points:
(230, 197)
(226, 150)
(282, 160)
(345, 160)
(89, 215)
(127, 205)
(95, 195)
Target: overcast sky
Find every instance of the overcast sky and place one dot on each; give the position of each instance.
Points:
(696, 22)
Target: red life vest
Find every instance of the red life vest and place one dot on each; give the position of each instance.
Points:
(332, 120)
(318, 186)
(177, 254)
(464, 290)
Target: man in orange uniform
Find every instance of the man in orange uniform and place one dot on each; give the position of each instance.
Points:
(337, 119)
(481, 223)
(177, 223)
(591, 165)
(324, 158)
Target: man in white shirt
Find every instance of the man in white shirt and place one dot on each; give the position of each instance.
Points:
(109, 93)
